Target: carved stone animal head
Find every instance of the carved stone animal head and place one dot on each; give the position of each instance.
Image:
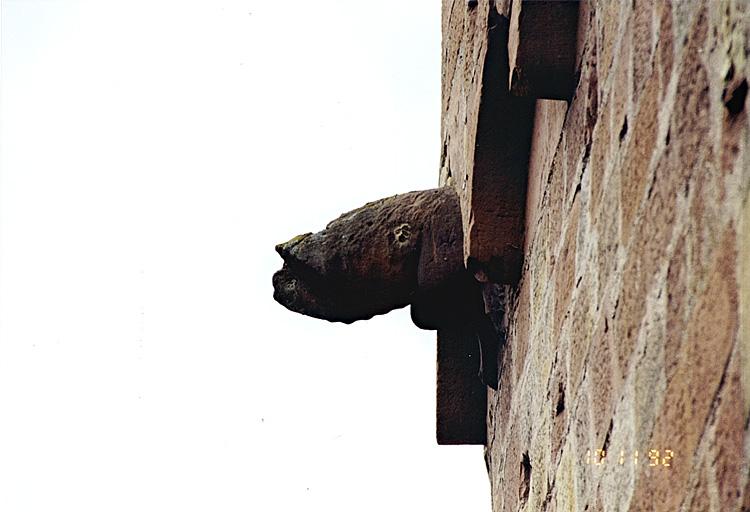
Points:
(389, 253)
(402, 250)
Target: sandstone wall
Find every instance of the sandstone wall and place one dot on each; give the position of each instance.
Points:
(630, 328)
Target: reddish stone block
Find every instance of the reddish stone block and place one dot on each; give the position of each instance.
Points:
(555, 193)
(579, 123)
(665, 45)
(712, 330)
(602, 377)
(461, 397)
(539, 270)
(500, 142)
(620, 95)
(503, 419)
(706, 217)
(548, 122)
(690, 127)
(734, 127)
(542, 48)
(580, 334)
(727, 456)
(600, 157)
(677, 307)
(701, 498)
(575, 135)
(608, 20)
(581, 414)
(521, 334)
(559, 401)
(652, 237)
(638, 156)
(513, 477)
(643, 40)
(565, 269)
(607, 226)
(631, 307)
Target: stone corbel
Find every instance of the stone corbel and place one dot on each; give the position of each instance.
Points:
(404, 250)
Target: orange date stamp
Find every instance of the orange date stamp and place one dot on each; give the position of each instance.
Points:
(653, 458)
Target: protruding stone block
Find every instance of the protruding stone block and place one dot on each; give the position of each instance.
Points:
(494, 211)
(542, 48)
(461, 397)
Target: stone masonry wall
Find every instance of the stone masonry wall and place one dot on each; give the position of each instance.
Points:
(630, 328)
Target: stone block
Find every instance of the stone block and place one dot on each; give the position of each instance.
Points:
(690, 124)
(461, 396)
(677, 307)
(643, 43)
(599, 162)
(542, 48)
(565, 267)
(631, 306)
(712, 330)
(637, 157)
(665, 45)
(726, 453)
(608, 27)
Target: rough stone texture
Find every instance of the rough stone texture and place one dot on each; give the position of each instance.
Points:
(461, 398)
(401, 250)
(541, 48)
(486, 134)
(630, 328)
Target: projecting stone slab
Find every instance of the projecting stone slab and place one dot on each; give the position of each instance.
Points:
(496, 196)
(542, 48)
(461, 397)
(486, 134)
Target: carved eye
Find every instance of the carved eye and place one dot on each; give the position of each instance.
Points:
(291, 285)
(402, 233)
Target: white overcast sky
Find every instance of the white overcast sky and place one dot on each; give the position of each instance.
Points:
(152, 153)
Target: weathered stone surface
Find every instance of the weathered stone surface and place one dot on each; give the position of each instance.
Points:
(461, 398)
(404, 250)
(548, 121)
(401, 250)
(638, 157)
(542, 48)
(486, 135)
(635, 278)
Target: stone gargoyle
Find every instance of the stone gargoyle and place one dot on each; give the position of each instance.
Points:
(403, 250)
